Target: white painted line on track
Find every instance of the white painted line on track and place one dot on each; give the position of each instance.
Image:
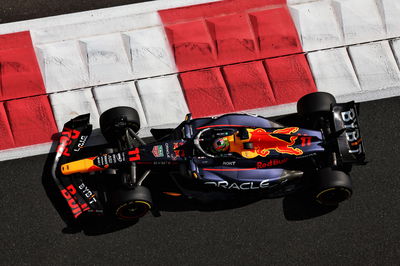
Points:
(162, 100)
(67, 105)
(64, 65)
(333, 71)
(317, 25)
(99, 14)
(375, 66)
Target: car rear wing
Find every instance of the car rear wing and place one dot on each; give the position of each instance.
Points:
(351, 148)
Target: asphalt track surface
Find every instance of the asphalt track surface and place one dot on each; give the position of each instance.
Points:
(362, 231)
(17, 10)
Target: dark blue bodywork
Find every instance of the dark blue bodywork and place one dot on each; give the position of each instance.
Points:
(277, 166)
(237, 173)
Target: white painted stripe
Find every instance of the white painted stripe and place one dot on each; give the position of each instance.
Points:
(67, 105)
(331, 23)
(333, 71)
(360, 19)
(396, 50)
(94, 28)
(296, 2)
(391, 12)
(105, 59)
(64, 65)
(21, 152)
(317, 25)
(108, 58)
(375, 66)
(162, 100)
(97, 15)
(151, 53)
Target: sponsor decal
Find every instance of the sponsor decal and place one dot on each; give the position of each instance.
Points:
(167, 153)
(76, 207)
(353, 135)
(264, 142)
(271, 163)
(134, 155)
(81, 143)
(240, 186)
(164, 163)
(178, 152)
(100, 161)
(158, 151)
(229, 163)
(107, 159)
(65, 140)
(119, 157)
(112, 158)
(88, 193)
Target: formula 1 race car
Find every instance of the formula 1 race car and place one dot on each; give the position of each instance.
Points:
(225, 155)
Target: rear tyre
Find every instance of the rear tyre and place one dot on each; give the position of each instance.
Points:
(115, 121)
(131, 204)
(314, 103)
(332, 186)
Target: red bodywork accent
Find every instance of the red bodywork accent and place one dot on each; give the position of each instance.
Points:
(136, 155)
(76, 208)
(66, 139)
(96, 168)
(264, 142)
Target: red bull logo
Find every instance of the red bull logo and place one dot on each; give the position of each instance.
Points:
(264, 142)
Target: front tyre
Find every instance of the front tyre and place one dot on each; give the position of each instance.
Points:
(332, 186)
(115, 121)
(131, 204)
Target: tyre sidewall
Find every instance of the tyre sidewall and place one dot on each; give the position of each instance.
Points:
(111, 116)
(126, 198)
(333, 182)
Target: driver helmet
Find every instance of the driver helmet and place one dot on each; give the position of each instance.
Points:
(221, 145)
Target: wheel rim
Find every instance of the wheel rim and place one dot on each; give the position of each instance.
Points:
(133, 210)
(333, 196)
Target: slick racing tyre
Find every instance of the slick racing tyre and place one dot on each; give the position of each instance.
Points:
(115, 121)
(332, 186)
(314, 103)
(131, 204)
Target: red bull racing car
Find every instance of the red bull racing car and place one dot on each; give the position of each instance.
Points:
(225, 155)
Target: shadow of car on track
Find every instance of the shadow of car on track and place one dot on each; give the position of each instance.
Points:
(300, 206)
(296, 206)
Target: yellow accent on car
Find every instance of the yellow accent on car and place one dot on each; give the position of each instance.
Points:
(324, 191)
(330, 189)
(143, 202)
(80, 166)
